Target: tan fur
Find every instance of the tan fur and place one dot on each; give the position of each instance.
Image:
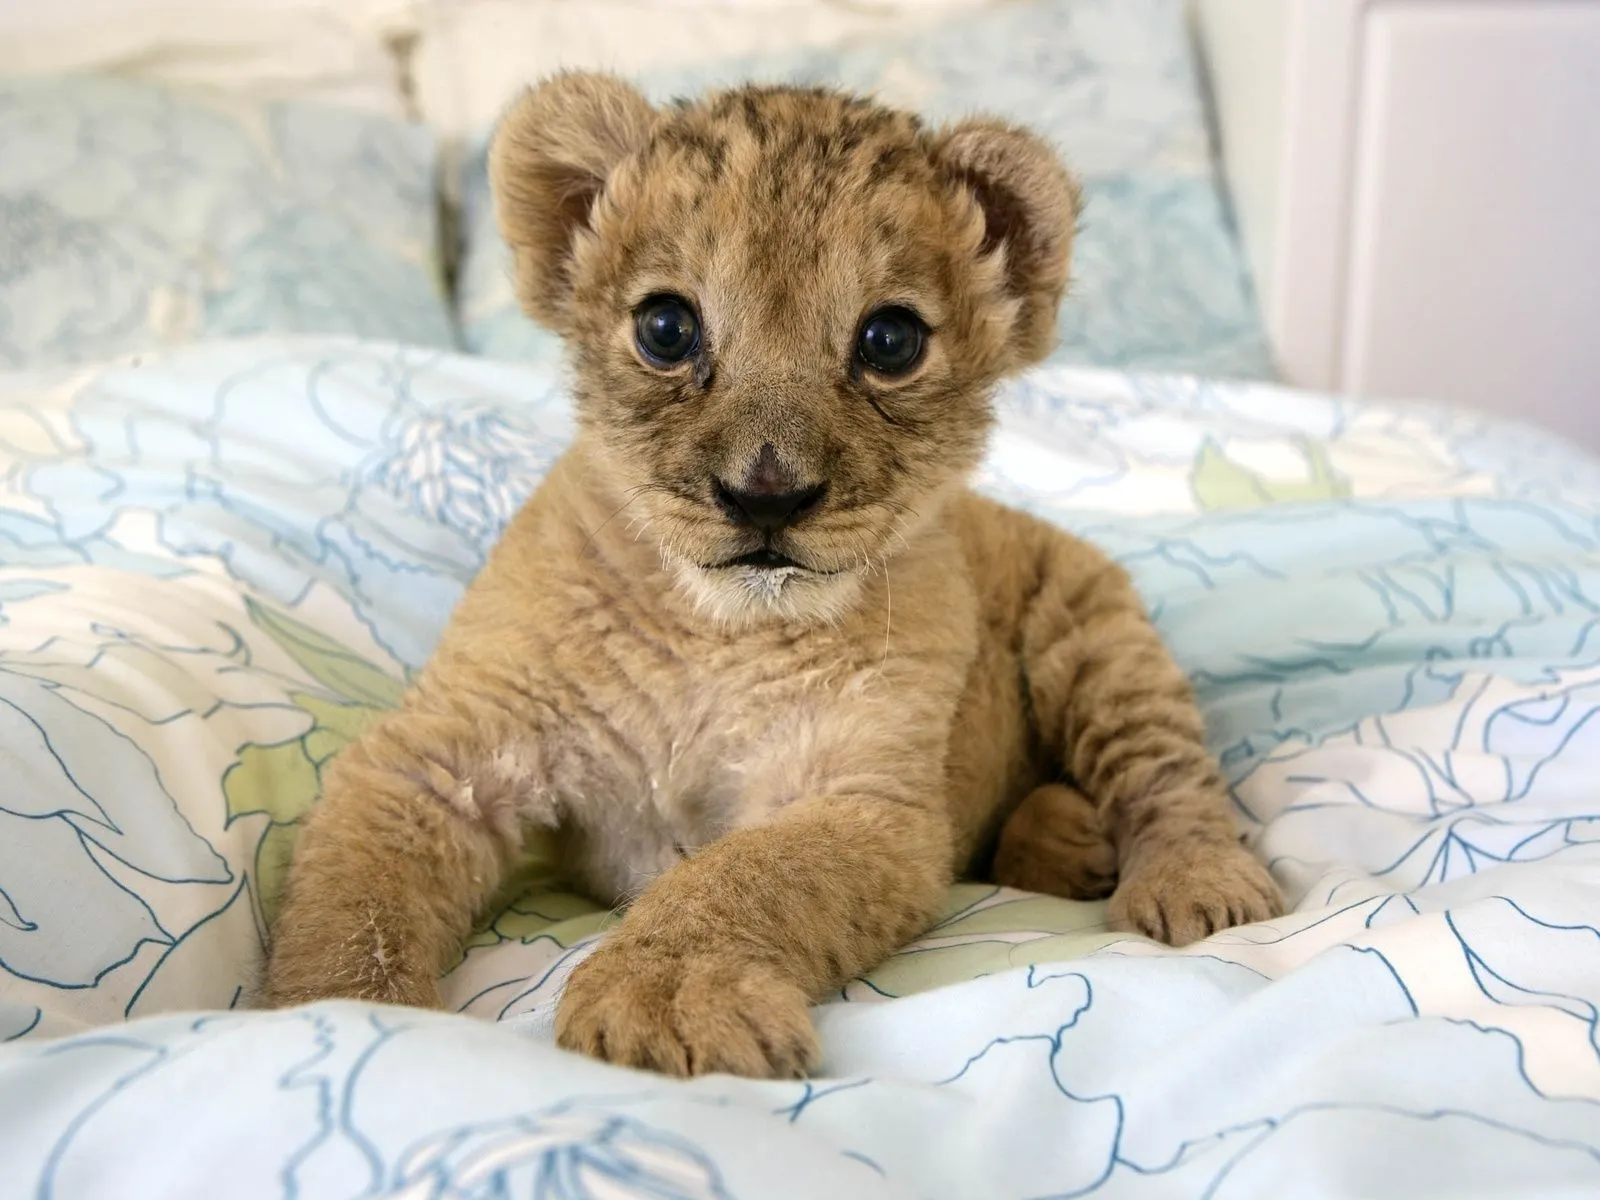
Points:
(783, 770)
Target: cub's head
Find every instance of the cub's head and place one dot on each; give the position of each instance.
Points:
(785, 309)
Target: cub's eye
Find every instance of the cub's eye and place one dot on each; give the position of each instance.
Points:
(891, 340)
(666, 329)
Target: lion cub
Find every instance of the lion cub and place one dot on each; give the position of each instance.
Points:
(752, 650)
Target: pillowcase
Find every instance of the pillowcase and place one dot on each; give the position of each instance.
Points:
(474, 55)
(330, 51)
(1159, 279)
(134, 216)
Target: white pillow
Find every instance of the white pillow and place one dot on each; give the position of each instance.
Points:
(333, 51)
(475, 54)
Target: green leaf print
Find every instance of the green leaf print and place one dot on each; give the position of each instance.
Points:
(283, 780)
(337, 725)
(1041, 914)
(336, 667)
(531, 905)
(1221, 483)
(926, 968)
(562, 917)
(983, 930)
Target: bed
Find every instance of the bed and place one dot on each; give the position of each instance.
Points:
(224, 547)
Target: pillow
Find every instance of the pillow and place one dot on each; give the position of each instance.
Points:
(474, 55)
(134, 216)
(1160, 282)
(330, 51)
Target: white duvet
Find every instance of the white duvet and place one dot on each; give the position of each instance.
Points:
(214, 565)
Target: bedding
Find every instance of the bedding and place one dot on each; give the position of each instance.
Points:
(134, 216)
(1159, 281)
(217, 562)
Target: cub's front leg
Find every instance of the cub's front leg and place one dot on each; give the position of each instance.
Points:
(418, 827)
(716, 965)
(1116, 712)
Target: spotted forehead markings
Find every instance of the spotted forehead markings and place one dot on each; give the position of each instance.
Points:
(709, 151)
(807, 138)
(793, 128)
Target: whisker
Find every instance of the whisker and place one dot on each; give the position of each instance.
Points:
(888, 616)
(633, 494)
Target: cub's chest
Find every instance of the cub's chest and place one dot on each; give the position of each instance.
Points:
(692, 734)
(706, 740)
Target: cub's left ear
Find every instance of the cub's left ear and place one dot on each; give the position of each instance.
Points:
(1030, 211)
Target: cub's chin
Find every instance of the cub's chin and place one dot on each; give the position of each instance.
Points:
(741, 594)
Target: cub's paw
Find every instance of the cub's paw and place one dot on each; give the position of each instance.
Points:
(1055, 843)
(686, 1015)
(1184, 894)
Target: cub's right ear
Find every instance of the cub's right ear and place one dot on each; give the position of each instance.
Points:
(549, 160)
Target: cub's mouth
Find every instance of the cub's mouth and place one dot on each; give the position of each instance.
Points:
(776, 579)
(765, 558)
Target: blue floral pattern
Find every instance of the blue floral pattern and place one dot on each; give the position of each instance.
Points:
(1159, 279)
(217, 564)
(134, 217)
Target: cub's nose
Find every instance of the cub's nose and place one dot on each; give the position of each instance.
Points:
(767, 510)
(769, 498)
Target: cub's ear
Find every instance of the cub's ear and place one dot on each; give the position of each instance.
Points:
(549, 160)
(1030, 212)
